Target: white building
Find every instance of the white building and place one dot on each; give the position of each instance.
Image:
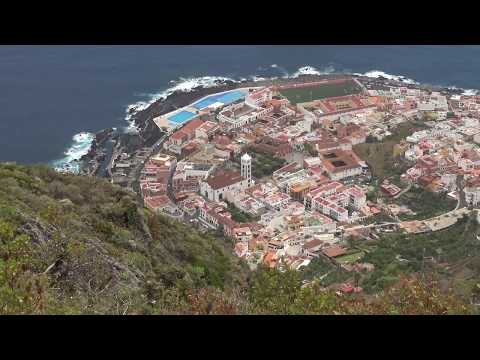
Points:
(237, 116)
(426, 106)
(465, 164)
(215, 187)
(207, 129)
(470, 122)
(417, 136)
(472, 192)
(342, 173)
(246, 168)
(259, 97)
(357, 198)
(450, 181)
(194, 170)
(276, 201)
(328, 208)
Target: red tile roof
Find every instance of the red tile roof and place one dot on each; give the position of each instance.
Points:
(188, 130)
(191, 126)
(334, 251)
(155, 202)
(224, 178)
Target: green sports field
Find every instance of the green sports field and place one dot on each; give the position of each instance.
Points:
(306, 94)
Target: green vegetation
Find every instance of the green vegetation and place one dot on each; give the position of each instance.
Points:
(382, 217)
(239, 216)
(350, 258)
(318, 266)
(263, 164)
(307, 94)
(325, 272)
(78, 245)
(72, 244)
(425, 204)
(379, 155)
(275, 292)
(310, 150)
(406, 129)
(398, 254)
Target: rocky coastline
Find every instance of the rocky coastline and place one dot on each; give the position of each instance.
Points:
(148, 133)
(100, 138)
(91, 162)
(178, 99)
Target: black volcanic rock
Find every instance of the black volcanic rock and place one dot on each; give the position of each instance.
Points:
(148, 130)
(98, 141)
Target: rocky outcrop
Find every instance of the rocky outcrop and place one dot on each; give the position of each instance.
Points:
(100, 138)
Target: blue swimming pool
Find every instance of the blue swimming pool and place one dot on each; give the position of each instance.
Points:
(226, 99)
(182, 116)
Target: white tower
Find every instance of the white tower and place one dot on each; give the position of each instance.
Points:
(246, 169)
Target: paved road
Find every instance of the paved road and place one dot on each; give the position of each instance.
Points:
(404, 190)
(374, 225)
(462, 202)
(455, 212)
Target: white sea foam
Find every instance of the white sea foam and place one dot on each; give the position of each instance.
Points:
(465, 92)
(257, 78)
(182, 84)
(311, 70)
(469, 92)
(378, 73)
(281, 70)
(131, 128)
(82, 142)
(188, 84)
(80, 146)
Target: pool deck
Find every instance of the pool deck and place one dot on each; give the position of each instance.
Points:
(163, 121)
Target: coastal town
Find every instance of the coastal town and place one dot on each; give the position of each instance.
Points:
(312, 170)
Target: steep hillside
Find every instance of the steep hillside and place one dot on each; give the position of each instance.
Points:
(73, 244)
(78, 245)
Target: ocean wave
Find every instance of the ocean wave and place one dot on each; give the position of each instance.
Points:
(188, 84)
(80, 146)
(311, 70)
(82, 141)
(131, 128)
(378, 73)
(182, 84)
(470, 92)
(256, 78)
(465, 92)
(303, 70)
(461, 91)
(281, 70)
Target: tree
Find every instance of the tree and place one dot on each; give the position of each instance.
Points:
(412, 296)
(310, 149)
(219, 232)
(273, 291)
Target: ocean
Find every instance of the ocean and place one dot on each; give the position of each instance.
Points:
(54, 98)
